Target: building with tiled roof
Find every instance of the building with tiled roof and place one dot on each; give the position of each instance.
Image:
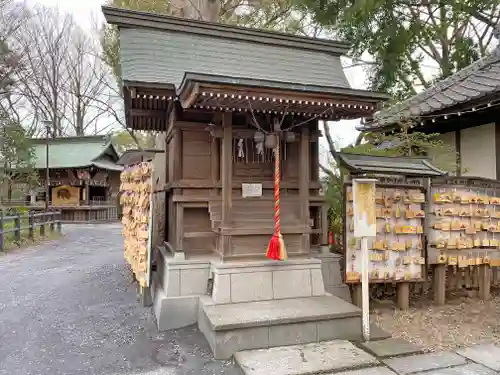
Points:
(464, 108)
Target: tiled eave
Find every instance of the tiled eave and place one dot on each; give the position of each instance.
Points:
(147, 107)
(235, 94)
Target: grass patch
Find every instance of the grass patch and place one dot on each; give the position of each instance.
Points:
(9, 242)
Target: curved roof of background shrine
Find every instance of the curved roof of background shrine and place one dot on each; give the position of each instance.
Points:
(76, 152)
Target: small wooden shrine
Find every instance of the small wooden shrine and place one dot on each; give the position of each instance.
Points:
(237, 112)
(84, 177)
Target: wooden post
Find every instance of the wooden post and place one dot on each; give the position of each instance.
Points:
(59, 224)
(214, 163)
(87, 193)
(177, 154)
(17, 230)
(459, 281)
(403, 292)
(52, 222)
(42, 225)
(227, 168)
(494, 270)
(227, 179)
(324, 225)
(179, 227)
(450, 278)
(304, 178)
(439, 284)
(475, 276)
(31, 226)
(2, 234)
(468, 278)
(484, 281)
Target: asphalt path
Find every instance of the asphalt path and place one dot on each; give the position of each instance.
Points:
(68, 307)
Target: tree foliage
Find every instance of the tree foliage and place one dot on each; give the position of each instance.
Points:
(407, 38)
(123, 140)
(15, 148)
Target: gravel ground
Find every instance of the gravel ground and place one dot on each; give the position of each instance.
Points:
(67, 307)
(461, 322)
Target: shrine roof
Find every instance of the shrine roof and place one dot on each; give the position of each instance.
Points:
(210, 67)
(418, 167)
(76, 152)
(479, 80)
(160, 49)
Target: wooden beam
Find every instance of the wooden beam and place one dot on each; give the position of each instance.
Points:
(148, 113)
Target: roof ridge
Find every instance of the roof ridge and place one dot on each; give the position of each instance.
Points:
(440, 86)
(141, 19)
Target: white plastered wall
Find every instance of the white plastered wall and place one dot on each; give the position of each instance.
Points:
(478, 151)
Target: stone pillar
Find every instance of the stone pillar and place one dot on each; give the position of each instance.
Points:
(332, 275)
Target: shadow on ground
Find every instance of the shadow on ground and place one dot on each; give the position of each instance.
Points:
(67, 307)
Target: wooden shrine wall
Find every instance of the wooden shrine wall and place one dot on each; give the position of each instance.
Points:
(193, 179)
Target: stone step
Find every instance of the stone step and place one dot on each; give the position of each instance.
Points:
(230, 328)
(317, 358)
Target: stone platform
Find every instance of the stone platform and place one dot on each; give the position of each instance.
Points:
(233, 327)
(394, 357)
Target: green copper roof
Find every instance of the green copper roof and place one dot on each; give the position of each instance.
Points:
(76, 152)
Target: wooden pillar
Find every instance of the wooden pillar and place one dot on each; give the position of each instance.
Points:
(304, 178)
(439, 284)
(324, 225)
(484, 281)
(475, 276)
(214, 163)
(403, 294)
(450, 278)
(87, 193)
(179, 227)
(227, 168)
(459, 280)
(177, 156)
(468, 277)
(227, 180)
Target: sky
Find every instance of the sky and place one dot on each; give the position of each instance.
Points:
(85, 12)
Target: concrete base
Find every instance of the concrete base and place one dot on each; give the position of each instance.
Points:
(176, 288)
(174, 312)
(332, 275)
(238, 282)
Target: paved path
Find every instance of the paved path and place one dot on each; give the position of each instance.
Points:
(66, 307)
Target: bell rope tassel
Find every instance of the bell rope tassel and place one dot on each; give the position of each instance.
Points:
(276, 249)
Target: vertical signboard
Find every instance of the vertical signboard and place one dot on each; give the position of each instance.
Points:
(365, 226)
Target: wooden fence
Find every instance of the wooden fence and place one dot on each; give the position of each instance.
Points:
(18, 226)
